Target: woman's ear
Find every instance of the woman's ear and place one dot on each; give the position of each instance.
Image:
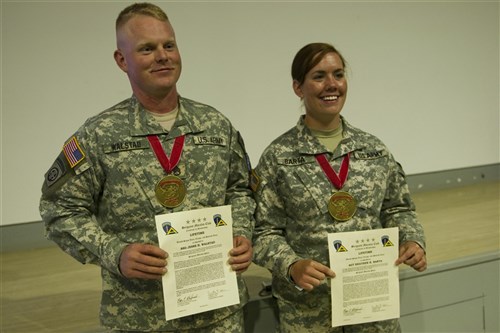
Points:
(297, 89)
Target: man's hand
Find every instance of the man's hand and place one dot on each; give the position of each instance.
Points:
(241, 254)
(143, 261)
(308, 274)
(412, 255)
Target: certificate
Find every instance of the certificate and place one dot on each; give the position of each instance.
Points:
(366, 285)
(199, 278)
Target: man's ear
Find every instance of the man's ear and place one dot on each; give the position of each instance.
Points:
(297, 88)
(120, 60)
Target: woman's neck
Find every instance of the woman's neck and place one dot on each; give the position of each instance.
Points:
(323, 124)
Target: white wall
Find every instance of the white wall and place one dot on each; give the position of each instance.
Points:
(424, 76)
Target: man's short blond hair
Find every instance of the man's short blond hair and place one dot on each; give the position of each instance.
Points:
(144, 8)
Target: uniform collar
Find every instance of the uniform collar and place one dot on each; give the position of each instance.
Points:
(309, 145)
(142, 123)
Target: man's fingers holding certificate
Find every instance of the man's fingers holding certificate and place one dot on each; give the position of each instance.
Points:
(143, 261)
(241, 254)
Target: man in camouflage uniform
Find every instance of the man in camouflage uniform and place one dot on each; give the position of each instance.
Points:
(292, 193)
(99, 202)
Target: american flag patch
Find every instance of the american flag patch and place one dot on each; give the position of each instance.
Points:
(74, 154)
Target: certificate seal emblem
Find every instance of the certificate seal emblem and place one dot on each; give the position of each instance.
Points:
(170, 191)
(342, 206)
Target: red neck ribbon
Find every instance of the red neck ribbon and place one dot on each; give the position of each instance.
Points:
(167, 164)
(337, 180)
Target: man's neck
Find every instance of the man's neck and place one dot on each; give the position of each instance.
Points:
(158, 104)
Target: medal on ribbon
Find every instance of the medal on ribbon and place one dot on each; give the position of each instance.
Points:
(341, 205)
(170, 191)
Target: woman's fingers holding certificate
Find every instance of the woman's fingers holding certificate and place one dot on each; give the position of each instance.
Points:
(308, 274)
(412, 255)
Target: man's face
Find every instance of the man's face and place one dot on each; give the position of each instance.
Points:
(148, 53)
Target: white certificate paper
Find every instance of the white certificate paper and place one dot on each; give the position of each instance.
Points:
(199, 278)
(366, 285)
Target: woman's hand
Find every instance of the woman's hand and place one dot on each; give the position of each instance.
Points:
(412, 255)
(308, 274)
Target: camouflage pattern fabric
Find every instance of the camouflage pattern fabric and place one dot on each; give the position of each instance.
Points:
(292, 193)
(231, 324)
(296, 318)
(99, 196)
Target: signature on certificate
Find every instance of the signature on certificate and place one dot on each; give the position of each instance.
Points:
(186, 300)
(379, 307)
(352, 311)
(215, 293)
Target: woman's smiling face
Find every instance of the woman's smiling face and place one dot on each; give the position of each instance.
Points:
(323, 92)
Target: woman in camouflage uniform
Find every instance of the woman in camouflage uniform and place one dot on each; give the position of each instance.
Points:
(293, 188)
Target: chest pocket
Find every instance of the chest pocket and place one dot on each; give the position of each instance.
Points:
(304, 186)
(207, 165)
(368, 174)
(132, 172)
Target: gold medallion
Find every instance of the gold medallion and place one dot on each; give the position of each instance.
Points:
(170, 191)
(342, 206)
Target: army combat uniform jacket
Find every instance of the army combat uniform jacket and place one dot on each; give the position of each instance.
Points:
(99, 196)
(292, 194)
